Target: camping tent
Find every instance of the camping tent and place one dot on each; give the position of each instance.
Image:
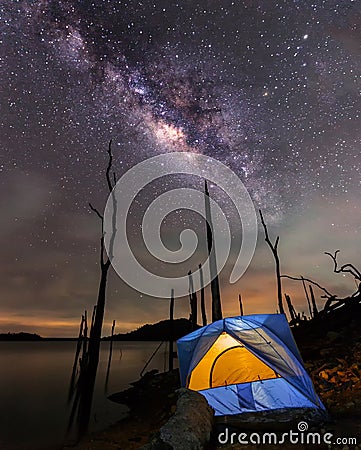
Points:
(246, 364)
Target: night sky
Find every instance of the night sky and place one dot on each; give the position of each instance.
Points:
(271, 89)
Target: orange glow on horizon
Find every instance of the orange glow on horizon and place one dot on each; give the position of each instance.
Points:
(258, 297)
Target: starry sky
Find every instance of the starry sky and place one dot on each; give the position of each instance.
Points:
(269, 88)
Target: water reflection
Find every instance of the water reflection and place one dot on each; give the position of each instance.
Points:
(34, 382)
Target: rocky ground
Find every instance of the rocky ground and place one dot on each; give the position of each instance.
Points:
(333, 360)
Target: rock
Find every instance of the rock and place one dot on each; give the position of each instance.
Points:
(341, 374)
(189, 428)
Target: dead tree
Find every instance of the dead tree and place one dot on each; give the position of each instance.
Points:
(91, 358)
(203, 304)
(76, 359)
(109, 359)
(329, 302)
(193, 301)
(274, 249)
(314, 305)
(240, 304)
(307, 297)
(332, 301)
(216, 295)
(291, 310)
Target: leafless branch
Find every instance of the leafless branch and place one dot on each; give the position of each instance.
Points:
(96, 211)
(274, 250)
(276, 242)
(346, 268)
(110, 162)
(328, 294)
(265, 229)
(102, 236)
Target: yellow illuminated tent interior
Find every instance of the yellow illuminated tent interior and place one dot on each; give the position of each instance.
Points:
(227, 362)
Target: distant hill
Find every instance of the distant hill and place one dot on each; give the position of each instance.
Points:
(149, 332)
(20, 337)
(156, 332)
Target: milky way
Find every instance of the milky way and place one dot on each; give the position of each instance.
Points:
(257, 86)
(171, 101)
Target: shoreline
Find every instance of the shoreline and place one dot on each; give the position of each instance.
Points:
(335, 369)
(151, 402)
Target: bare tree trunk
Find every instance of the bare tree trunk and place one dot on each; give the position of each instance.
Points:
(109, 359)
(314, 306)
(93, 355)
(291, 309)
(216, 296)
(307, 297)
(76, 359)
(240, 304)
(203, 304)
(89, 363)
(171, 315)
(274, 249)
(193, 301)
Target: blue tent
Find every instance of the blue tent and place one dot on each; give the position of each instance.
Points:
(246, 364)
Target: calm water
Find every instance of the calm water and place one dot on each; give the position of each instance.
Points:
(34, 380)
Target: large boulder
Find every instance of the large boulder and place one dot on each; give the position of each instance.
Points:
(189, 428)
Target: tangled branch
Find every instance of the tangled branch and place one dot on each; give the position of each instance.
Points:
(328, 294)
(345, 268)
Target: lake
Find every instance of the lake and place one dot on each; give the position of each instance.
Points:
(34, 382)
